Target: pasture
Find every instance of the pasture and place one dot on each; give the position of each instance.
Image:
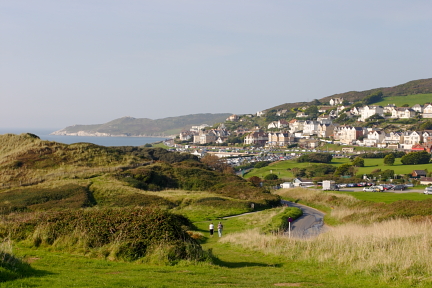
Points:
(409, 99)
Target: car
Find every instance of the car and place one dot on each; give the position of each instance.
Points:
(399, 187)
(342, 185)
(351, 185)
(371, 189)
(409, 185)
(428, 190)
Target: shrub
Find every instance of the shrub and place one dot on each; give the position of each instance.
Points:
(127, 234)
(271, 177)
(413, 158)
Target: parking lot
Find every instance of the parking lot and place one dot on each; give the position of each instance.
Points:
(360, 189)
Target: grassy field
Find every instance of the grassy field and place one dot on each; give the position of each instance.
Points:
(409, 99)
(387, 197)
(280, 168)
(244, 257)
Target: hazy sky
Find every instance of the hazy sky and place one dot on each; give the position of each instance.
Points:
(89, 62)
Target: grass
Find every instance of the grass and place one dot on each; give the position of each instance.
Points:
(409, 99)
(351, 255)
(371, 164)
(233, 266)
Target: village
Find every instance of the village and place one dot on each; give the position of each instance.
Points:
(336, 123)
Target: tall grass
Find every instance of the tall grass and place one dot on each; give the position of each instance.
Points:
(392, 250)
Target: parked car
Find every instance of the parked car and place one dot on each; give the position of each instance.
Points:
(342, 185)
(399, 187)
(351, 185)
(428, 190)
(371, 189)
(409, 185)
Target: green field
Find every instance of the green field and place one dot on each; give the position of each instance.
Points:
(387, 197)
(233, 267)
(280, 168)
(409, 99)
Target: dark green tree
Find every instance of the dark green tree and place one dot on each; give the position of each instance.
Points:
(271, 177)
(389, 159)
(373, 98)
(414, 158)
(358, 162)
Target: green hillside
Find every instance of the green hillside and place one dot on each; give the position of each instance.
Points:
(129, 126)
(408, 99)
(422, 86)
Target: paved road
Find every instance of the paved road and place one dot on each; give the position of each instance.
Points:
(309, 224)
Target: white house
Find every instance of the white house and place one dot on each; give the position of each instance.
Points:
(368, 111)
(296, 125)
(347, 134)
(278, 124)
(374, 138)
(393, 138)
(411, 138)
(402, 112)
(427, 111)
(417, 108)
(336, 101)
(310, 127)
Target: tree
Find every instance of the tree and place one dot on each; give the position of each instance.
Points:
(373, 98)
(426, 125)
(312, 111)
(389, 159)
(358, 162)
(255, 180)
(413, 158)
(343, 169)
(405, 105)
(216, 163)
(271, 177)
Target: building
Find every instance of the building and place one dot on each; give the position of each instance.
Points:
(427, 111)
(368, 111)
(347, 134)
(402, 112)
(336, 101)
(257, 137)
(280, 139)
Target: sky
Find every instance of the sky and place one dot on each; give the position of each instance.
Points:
(90, 62)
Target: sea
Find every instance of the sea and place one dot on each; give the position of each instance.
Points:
(44, 134)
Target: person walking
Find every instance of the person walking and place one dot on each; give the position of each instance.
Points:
(220, 228)
(211, 228)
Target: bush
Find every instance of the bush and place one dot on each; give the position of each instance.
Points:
(358, 162)
(126, 234)
(280, 221)
(271, 177)
(413, 158)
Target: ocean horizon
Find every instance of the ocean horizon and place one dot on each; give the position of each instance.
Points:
(44, 134)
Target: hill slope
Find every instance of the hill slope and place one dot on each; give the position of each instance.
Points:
(410, 88)
(129, 126)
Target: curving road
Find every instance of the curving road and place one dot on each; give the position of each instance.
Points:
(309, 224)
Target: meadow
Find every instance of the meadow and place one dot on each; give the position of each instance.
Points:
(350, 254)
(281, 168)
(127, 226)
(409, 99)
